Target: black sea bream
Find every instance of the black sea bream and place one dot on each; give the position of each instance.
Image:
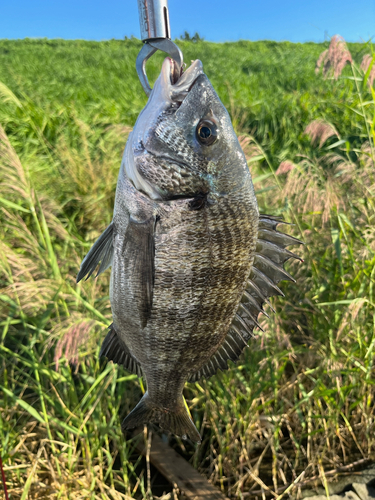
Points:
(192, 259)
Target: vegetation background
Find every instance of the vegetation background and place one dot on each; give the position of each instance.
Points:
(300, 404)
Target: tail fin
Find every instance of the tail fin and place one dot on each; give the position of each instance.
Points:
(176, 421)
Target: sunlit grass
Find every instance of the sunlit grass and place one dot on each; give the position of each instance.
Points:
(301, 400)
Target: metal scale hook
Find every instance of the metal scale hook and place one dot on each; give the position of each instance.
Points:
(155, 33)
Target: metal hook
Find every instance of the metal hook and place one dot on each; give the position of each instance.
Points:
(155, 32)
(148, 49)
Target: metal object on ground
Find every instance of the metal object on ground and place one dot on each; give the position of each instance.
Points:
(177, 470)
(155, 33)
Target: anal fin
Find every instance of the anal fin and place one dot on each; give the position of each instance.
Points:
(114, 349)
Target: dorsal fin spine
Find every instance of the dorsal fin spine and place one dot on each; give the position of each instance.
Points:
(282, 250)
(218, 353)
(255, 321)
(272, 264)
(239, 334)
(267, 280)
(261, 296)
(226, 352)
(284, 239)
(258, 307)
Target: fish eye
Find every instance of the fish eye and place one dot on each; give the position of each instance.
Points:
(206, 132)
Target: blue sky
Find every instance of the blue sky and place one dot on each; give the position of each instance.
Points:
(215, 20)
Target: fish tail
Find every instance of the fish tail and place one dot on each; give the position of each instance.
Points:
(177, 421)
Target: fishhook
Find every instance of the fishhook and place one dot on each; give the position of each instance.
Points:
(155, 33)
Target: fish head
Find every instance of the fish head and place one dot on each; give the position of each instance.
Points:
(183, 142)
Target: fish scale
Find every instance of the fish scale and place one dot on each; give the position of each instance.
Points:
(192, 260)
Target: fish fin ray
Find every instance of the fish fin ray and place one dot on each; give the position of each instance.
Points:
(268, 270)
(273, 271)
(271, 221)
(230, 350)
(139, 257)
(279, 255)
(114, 349)
(176, 421)
(270, 256)
(101, 251)
(267, 231)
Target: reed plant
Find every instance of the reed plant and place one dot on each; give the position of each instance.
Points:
(299, 407)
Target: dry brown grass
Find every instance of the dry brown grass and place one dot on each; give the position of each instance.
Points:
(34, 467)
(320, 131)
(333, 60)
(365, 65)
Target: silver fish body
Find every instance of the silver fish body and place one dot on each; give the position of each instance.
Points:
(182, 245)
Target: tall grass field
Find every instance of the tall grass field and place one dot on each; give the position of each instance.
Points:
(299, 406)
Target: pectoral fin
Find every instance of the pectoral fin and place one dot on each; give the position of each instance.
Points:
(101, 251)
(139, 255)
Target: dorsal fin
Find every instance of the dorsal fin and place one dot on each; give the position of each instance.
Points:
(230, 350)
(114, 349)
(266, 272)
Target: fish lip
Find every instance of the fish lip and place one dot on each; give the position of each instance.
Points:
(179, 89)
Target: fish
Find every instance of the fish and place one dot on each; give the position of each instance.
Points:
(193, 261)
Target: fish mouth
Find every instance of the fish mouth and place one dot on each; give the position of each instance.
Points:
(178, 82)
(175, 71)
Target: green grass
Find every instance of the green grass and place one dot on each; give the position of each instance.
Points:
(301, 401)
